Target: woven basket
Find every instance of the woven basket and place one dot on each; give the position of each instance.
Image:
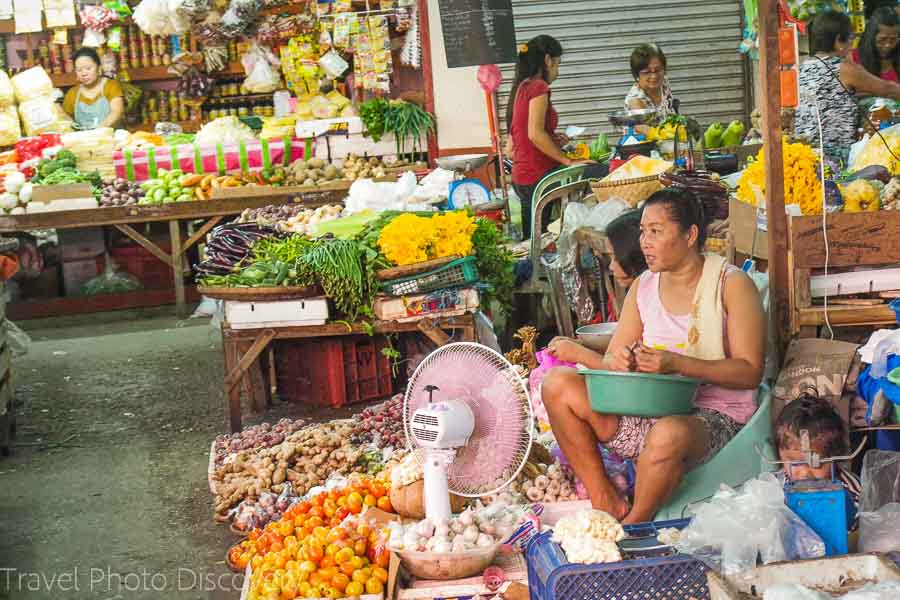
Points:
(632, 191)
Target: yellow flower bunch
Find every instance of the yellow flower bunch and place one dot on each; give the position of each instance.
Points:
(409, 238)
(453, 234)
(801, 179)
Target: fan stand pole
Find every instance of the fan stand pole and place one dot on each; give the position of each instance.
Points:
(495, 141)
(437, 493)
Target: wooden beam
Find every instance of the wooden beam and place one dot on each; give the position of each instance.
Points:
(770, 75)
(847, 315)
(145, 243)
(259, 344)
(81, 305)
(198, 235)
(338, 329)
(177, 265)
(854, 239)
(433, 333)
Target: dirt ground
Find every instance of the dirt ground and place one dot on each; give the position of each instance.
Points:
(106, 496)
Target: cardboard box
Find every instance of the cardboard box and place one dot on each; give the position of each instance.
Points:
(78, 272)
(742, 222)
(81, 244)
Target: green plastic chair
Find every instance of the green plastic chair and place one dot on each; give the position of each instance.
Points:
(736, 463)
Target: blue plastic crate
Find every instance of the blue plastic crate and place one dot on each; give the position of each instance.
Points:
(552, 577)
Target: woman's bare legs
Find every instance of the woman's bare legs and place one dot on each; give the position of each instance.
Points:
(578, 429)
(673, 445)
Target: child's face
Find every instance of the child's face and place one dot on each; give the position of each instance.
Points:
(800, 472)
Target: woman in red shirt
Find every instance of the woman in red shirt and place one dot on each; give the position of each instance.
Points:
(531, 120)
(878, 50)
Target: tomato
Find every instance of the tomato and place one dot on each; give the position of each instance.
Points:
(374, 586)
(307, 566)
(333, 592)
(355, 588)
(318, 500)
(360, 547)
(378, 490)
(340, 581)
(301, 508)
(254, 534)
(380, 573)
(342, 512)
(342, 501)
(343, 555)
(326, 562)
(384, 503)
(315, 579)
(280, 561)
(347, 568)
(316, 552)
(354, 499)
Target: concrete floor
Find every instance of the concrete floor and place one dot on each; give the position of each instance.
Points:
(106, 496)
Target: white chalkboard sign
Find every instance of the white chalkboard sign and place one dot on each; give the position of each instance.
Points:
(478, 32)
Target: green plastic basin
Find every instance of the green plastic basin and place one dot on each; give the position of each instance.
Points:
(640, 394)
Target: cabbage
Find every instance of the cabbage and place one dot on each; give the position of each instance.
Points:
(225, 130)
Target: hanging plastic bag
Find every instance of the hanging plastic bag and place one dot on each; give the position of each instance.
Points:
(730, 531)
(260, 66)
(879, 531)
(880, 480)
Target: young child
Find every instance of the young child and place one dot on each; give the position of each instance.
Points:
(827, 437)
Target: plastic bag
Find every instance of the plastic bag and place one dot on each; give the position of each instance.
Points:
(880, 480)
(161, 17)
(7, 93)
(262, 77)
(874, 152)
(111, 282)
(19, 341)
(10, 130)
(43, 115)
(546, 361)
(879, 531)
(730, 531)
(333, 64)
(32, 83)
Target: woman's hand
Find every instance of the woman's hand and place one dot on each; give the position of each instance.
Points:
(622, 360)
(561, 139)
(566, 349)
(651, 360)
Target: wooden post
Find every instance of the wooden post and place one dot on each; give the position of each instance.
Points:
(178, 268)
(770, 77)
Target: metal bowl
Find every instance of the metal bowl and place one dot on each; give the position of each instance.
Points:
(596, 336)
(629, 118)
(462, 162)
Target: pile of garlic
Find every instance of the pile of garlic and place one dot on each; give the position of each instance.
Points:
(544, 483)
(470, 530)
(589, 536)
(407, 471)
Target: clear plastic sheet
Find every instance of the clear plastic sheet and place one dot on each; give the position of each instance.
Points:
(880, 480)
(732, 530)
(879, 531)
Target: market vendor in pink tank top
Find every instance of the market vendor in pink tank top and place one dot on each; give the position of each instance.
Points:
(690, 314)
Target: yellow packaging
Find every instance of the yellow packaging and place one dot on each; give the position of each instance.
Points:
(10, 129)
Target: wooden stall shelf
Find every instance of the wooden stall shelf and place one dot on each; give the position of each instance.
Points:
(247, 361)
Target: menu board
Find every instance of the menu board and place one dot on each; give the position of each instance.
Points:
(478, 32)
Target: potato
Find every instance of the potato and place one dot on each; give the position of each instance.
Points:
(309, 183)
(331, 172)
(316, 163)
(373, 162)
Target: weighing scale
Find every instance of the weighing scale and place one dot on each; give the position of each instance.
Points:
(823, 504)
(466, 192)
(626, 120)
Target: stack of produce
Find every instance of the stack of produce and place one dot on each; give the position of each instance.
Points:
(409, 122)
(254, 437)
(306, 458)
(93, 148)
(719, 136)
(291, 218)
(120, 192)
(381, 425)
(801, 179)
(539, 482)
(327, 537)
(256, 514)
(10, 129)
(470, 530)
(707, 188)
(589, 537)
(17, 193)
(356, 167)
(62, 169)
(410, 238)
(890, 196)
(226, 246)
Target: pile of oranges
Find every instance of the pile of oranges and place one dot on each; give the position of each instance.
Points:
(315, 551)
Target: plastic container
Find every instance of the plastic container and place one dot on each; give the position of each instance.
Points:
(451, 565)
(333, 371)
(552, 577)
(640, 394)
(153, 273)
(895, 306)
(458, 273)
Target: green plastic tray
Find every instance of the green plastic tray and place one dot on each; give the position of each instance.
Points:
(640, 394)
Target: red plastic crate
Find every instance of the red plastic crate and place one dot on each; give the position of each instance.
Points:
(333, 371)
(367, 371)
(153, 273)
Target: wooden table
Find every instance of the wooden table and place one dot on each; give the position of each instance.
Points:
(212, 212)
(247, 363)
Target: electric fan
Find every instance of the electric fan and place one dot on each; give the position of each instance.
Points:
(469, 412)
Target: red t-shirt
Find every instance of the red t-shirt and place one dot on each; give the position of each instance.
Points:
(529, 163)
(890, 75)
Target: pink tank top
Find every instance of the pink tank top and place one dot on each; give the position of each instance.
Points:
(666, 331)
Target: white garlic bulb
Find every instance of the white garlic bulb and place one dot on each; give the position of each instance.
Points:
(471, 534)
(484, 540)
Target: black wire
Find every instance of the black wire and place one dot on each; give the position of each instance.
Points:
(852, 97)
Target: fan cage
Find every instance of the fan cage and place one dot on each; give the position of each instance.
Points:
(474, 459)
